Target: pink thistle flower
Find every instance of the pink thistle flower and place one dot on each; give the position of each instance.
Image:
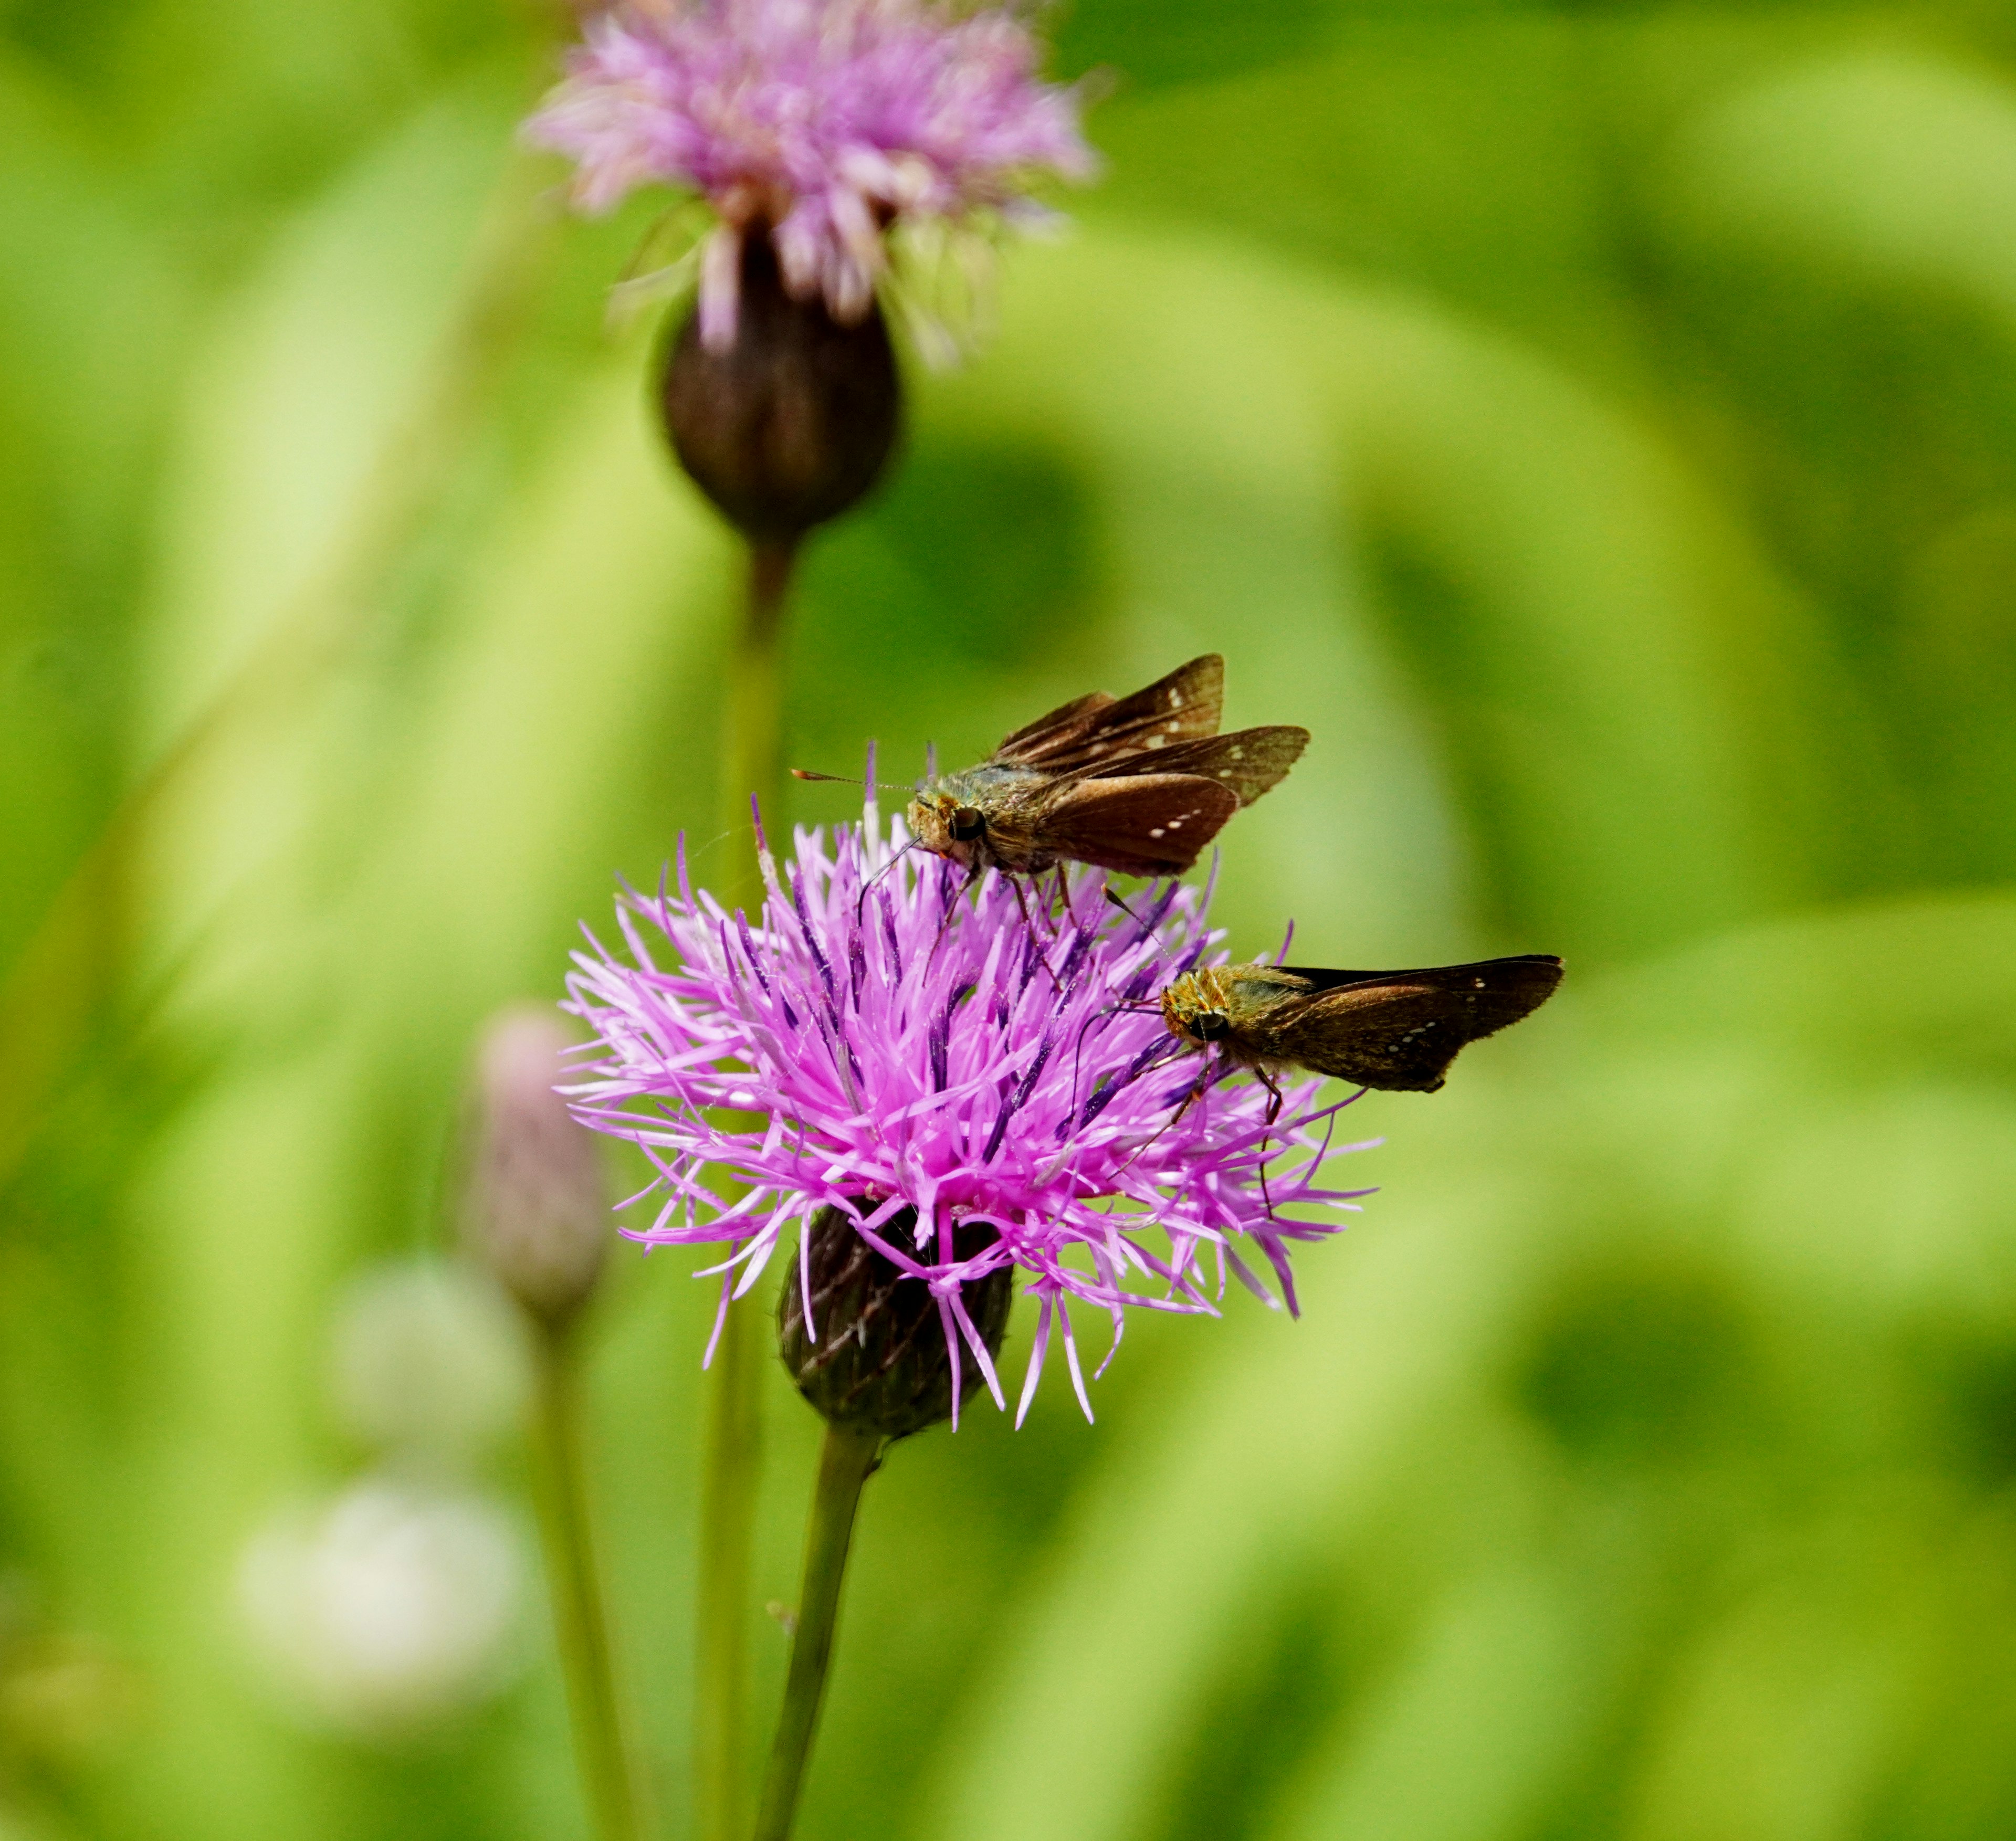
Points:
(932, 1069)
(825, 124)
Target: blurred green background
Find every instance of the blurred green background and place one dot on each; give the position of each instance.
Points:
(1597, 421)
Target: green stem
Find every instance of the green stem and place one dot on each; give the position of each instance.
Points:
(731, 1467)
(752, 762)
(600, 1752)
(752, 752)
(846, 1461)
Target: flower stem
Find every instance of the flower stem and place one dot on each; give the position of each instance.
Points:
(600, 1752)
(752, 753)
(846, 1461)
(731, 1465)
(752, 762)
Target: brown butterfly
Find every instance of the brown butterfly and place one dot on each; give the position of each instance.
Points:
(1140, 786)
(1397, 1030)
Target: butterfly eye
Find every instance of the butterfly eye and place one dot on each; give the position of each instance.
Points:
(968, 823)
(1211, 1025)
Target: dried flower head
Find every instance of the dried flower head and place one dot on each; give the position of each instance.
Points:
(825, 125)
(963, 1090)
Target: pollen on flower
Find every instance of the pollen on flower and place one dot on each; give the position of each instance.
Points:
(828, 126)
(969, 1092)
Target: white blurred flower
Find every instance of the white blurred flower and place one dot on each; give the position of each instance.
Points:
(387, 1607)
(428, 1363)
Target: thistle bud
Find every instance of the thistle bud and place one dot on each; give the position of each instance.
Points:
(880, 1362)
(786, 422)
(537, 1213)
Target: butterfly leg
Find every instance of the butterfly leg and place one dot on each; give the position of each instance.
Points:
(1167, 1125)
(1274, 1105)
(1030, 927)
(952, 907)
(1021, 905)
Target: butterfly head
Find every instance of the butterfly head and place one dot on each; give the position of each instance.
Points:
(1195, 1008)
(947, 826)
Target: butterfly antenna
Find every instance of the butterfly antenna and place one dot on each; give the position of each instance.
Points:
(1124, 909)
(806, 773)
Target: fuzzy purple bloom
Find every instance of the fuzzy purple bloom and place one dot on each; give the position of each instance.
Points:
(825, 123)
(916, 1049)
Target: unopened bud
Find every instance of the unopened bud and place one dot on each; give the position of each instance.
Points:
(880, 1362)
(790, 424)
(539, 1210)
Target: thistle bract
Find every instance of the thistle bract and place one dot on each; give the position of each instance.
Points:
(791, 423)
(885, 1365)
(960, 1081)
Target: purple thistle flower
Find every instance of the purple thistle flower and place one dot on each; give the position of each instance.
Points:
(825, 124)
(928, 1064)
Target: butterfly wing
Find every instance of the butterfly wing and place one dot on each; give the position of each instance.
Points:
(1251, 761)
(1397, 1030)
(1061, 728)
(1539, 972)
(1144, 824)
(1185, 705)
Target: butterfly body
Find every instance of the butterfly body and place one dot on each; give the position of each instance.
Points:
(988, 816)
(1397, 1030)
(1139, 785)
